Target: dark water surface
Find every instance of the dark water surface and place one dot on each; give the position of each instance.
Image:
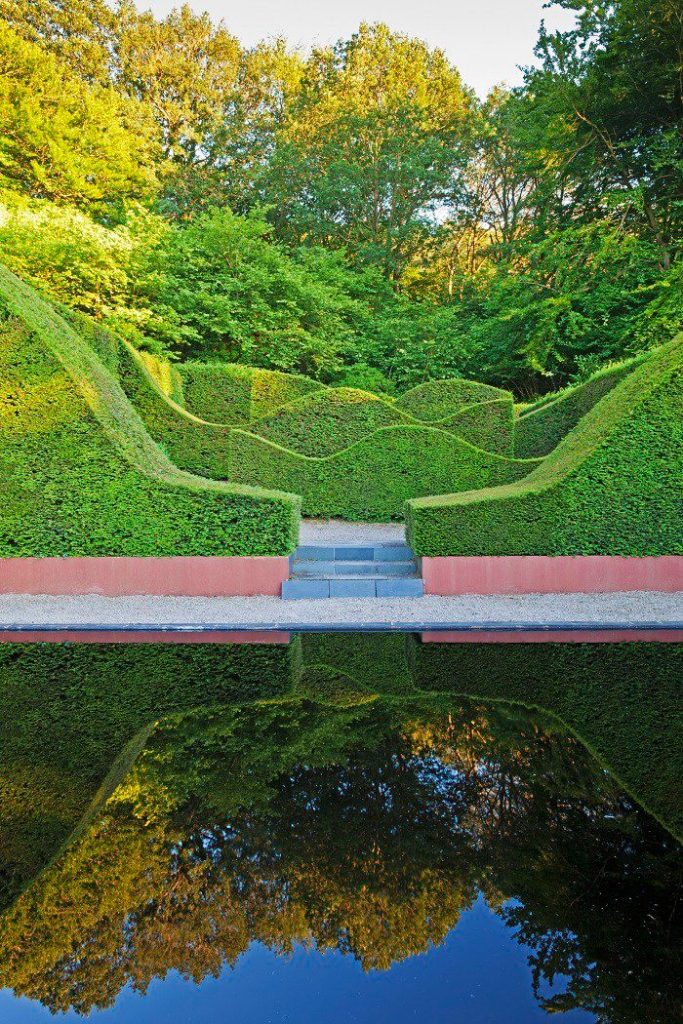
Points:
(340, 829)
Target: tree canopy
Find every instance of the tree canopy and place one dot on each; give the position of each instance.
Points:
(414, 230)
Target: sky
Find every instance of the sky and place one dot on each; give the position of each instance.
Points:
(479, 975)
(486, 39)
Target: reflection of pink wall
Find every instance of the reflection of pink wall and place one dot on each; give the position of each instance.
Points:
(76, 636)
(189, 576)
(557, 636)
(543, 574)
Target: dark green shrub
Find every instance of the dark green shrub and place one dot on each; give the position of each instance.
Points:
(612, 486)
(82, 476)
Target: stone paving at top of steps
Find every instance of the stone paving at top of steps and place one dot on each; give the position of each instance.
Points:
(337, 532)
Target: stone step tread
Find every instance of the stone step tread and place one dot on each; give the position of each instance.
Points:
(352, 587)
(347, 553)
(313, 568)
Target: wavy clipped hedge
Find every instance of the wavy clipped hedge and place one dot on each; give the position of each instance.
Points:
(612, 486)
(331, 420)
(328, 421)
(488, 425)
(541, 427)
(190, 443)
(373, 478)
(437, 399)
(235, 394)
(81, 474)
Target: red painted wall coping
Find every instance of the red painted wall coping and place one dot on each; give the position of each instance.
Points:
(559, 636)
(544, 574)
(189, 576)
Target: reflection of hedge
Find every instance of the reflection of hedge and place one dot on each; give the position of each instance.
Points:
(541, 427)
(623, 701)
(374, 477)
(230, 393)
(612, 486)
(95, 699)
(81, 475)
(437, 399)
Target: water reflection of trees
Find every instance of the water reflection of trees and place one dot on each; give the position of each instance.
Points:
(366, 829)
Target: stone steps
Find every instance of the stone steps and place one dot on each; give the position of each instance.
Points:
(383, 570)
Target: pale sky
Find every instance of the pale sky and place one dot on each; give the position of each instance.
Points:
(485, 39)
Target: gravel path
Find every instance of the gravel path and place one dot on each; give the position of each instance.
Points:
(252, 612)
(331, 532)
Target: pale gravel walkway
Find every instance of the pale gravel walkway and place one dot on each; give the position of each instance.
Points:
(252, 612)
(331, 532)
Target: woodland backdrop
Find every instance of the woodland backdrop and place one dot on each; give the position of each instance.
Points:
(354, 213)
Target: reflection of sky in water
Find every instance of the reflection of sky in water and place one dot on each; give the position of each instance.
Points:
(479, 975)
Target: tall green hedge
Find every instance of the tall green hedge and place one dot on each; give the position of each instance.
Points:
(612, 486)
(374, 477)
(437, 399)
(82, 476)
(370, 470)
(235, 394)
(541, 427)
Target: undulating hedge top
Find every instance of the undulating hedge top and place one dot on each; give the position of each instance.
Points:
(81, 474)
(235, 394)
(333, 419)
(541, 427)
(437, 399)
(613, 486)
(372, 479)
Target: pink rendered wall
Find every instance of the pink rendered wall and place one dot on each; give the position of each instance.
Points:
(543, 574)
(114, 577)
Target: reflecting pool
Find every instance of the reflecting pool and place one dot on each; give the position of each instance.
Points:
(340, 828)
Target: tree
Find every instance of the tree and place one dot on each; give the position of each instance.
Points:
(82, 33)
(65, 140)
(185, 69)
(371, 147)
